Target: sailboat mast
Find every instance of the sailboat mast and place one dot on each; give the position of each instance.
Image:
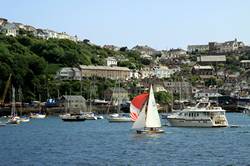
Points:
(13, 104)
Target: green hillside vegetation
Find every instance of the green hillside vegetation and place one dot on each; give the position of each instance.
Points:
(33, 63)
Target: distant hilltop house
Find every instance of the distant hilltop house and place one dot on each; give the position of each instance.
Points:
(145, 50)
(9, 29)
(225, 47)
(12, 29)
(197, 48)
(217, 48)
(3, 21)
(47, 34)
(111, 47)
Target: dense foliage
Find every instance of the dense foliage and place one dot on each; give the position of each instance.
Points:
(33, 63)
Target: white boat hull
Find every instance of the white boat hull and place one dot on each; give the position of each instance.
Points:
(13, 121)
(24, 119)
(119, 119)
(73, 118)
(38, 116)
(148, 131)
(175, 122)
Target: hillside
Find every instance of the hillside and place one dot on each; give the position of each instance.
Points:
(33, 62)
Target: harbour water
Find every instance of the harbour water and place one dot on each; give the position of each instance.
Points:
(51, 141)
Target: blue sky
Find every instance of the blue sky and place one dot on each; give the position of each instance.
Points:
(162, 24)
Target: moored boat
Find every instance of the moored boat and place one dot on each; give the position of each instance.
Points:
(73, 117)
(14, 119)
(204, 114)
(119, 117)
(37, 116)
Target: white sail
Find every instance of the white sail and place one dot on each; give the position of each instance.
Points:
(153, 118)
(141, 120)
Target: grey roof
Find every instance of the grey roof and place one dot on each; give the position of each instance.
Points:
(103, 68)
(9, 26)
(212, 58)
(245, 61)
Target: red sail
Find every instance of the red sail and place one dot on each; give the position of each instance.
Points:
(137, 104)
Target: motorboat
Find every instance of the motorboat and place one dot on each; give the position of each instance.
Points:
(203, 114)
(73, 117)
(119, 117)
(14, 120)
(37, 116)
(90, 116)
(24, 119)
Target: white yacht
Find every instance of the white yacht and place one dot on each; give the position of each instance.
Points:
(37, 116)
(90, 116)
(204, 114)
(121, 117)
(72, 117)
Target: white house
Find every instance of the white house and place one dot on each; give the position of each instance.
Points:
(134, 74)
(204, 93)
(111, 61)
(9, 29)
(145, 72)
(163, 71)
(68, 73)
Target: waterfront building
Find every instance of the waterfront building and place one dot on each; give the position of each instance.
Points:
(74, 103)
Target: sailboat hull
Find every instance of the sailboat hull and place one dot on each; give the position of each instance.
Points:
(148, 131)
